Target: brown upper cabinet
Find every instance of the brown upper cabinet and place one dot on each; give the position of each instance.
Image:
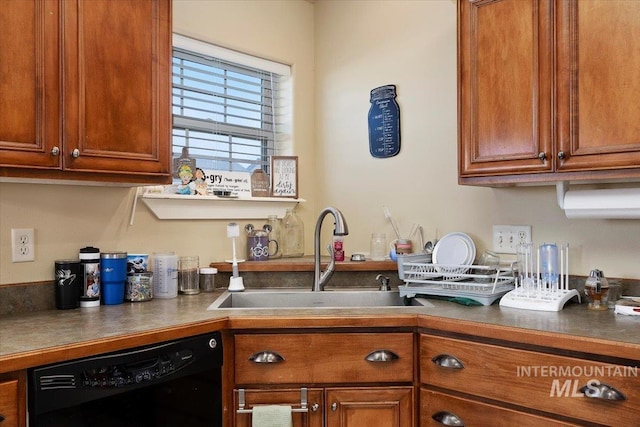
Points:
(85, 90)
(548, 90)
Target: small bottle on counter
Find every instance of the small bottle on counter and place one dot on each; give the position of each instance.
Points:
(596, 289)
(338, 248)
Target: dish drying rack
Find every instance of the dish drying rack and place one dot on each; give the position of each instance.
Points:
(481, 283)
(533, 292)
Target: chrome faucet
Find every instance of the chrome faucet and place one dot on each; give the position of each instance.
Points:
(320, 279)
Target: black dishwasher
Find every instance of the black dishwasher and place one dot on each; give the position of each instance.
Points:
(167, 384)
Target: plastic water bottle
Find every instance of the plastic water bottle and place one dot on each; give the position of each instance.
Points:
(549, 265)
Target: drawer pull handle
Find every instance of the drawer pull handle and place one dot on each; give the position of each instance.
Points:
(382, 356)
(266, 356)
(602, 391)
(447, 361)
(447, 419)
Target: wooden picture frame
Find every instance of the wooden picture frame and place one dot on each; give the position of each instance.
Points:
(284, 176)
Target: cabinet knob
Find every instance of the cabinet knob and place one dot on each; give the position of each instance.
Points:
(602, 391)
(75, 153)
(447, 361)
(542, 156)
(381, 356)
(54, 152)
(561, 155)
(315, 407)
(334, 406)
(266, 356)
(447, 419)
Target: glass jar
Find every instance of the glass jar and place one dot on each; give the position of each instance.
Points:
(378, 246)
(292, 235)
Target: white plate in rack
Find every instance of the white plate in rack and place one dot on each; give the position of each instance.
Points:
(454, 249)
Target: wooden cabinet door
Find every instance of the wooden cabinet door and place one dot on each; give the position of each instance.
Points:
(369, 406)
(116, 86)
(504, 86)
(598, 84)
(253, 397)
(29, 83)
(9, 403)
(13, 399)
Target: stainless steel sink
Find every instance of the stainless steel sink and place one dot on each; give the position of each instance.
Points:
(278, 298)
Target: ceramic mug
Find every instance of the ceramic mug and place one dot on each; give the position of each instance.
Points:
(258, 247)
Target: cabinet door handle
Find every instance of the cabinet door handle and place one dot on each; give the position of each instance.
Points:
(334, 407)
(561, 155)
(75, 153)
(542, 156)
(447, 419)
(602, 391)
(315, 407)
(381, 356)
(54, 152)
(447, 361)
(266, 356)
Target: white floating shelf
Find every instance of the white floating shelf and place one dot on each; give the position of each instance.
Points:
(177, 206)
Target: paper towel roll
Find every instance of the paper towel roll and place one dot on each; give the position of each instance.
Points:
(620, 203)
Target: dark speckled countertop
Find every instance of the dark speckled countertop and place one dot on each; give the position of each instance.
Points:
(42, 337)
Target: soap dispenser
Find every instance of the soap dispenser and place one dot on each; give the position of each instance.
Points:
(596, 289)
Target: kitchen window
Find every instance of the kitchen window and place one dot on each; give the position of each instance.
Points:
(231, 111)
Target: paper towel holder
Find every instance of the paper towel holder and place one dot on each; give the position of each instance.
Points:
(609, 203)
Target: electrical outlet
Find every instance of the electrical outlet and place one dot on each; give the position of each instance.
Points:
(506, 238)
(22, 245)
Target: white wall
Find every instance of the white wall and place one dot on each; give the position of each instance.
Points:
(361, 45)
(339, 50)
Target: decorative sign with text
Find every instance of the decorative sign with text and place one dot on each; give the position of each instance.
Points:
(237, 183)
(384, 122)
(284, 176)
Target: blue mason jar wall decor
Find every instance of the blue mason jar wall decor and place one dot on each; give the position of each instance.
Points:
(384, 122)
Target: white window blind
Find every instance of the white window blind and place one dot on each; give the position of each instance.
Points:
(230, 110)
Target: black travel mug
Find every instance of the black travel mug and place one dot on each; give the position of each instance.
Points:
(68, 283)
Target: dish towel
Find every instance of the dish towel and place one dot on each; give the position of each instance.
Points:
(271, 416)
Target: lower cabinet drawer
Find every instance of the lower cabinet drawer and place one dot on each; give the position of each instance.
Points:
(438, 409)
(323, 358)
(576, 388)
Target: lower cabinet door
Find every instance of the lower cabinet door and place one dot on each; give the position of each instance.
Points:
(370, 407)
(254, 397)
(440, 409)
(9, 412)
